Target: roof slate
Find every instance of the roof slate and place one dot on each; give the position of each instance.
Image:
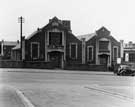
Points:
(86, 36)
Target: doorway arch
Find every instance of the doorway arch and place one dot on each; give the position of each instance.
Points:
(104, 59)
(56, 58)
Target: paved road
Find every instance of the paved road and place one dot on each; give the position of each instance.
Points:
(72, 88)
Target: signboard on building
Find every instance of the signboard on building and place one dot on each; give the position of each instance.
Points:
(126, 57)
(118, 60)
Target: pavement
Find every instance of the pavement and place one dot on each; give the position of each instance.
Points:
(9, 97)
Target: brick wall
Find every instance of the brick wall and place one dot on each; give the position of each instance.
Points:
(40, 38)
(70, 38)
(26, 64)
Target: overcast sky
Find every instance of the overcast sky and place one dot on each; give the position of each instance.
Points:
(86, 16)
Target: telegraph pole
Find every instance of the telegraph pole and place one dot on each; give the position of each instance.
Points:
(21, 20)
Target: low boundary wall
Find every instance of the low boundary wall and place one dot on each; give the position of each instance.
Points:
(26, 64)
(50, 65)
(87, 67)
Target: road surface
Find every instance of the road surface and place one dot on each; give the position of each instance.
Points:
(59, 88)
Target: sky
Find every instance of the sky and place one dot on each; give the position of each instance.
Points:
(86, 16)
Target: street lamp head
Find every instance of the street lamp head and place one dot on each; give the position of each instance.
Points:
(20, 19)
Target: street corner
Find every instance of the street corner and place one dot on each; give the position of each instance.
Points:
(12, 97)
(9, 98)
(24, 99)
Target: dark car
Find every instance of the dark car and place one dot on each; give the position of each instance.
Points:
(126, 69)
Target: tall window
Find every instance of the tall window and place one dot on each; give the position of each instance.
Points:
(73, 50)
(90, 53)
(0, 48)
(55, 38)
(104, 46)
(35, 50)
(115, 53)
(132, 57)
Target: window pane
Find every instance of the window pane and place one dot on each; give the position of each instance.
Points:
(115, 54)
(0, 48)
(34, 50)
(103, 45)
(132, 57)
(90, 53)
(73, 51)
(55, 38)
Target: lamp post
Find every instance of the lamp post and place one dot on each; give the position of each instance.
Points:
(21, 20)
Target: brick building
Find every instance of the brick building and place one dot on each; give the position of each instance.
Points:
(128, 52)
(5, 49)
(56, 45)
(53, 43)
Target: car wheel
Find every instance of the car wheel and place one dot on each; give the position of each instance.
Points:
(123, 73)
(118, 74)
(133, 75)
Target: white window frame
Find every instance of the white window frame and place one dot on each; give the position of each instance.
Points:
(70, 50)
(37, 50)
(55, 30)
(1, 49)
(113, 52)
(88, 53)
(2, 46)
(103, 40)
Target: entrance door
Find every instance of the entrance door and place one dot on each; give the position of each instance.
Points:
(103, 59)
(56, 59)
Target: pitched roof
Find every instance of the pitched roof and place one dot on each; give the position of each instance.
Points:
(40, 29)
(86, 36)
(9, 43)
(16, 47)
(31, 35)
(103, 30)
(54, 19)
